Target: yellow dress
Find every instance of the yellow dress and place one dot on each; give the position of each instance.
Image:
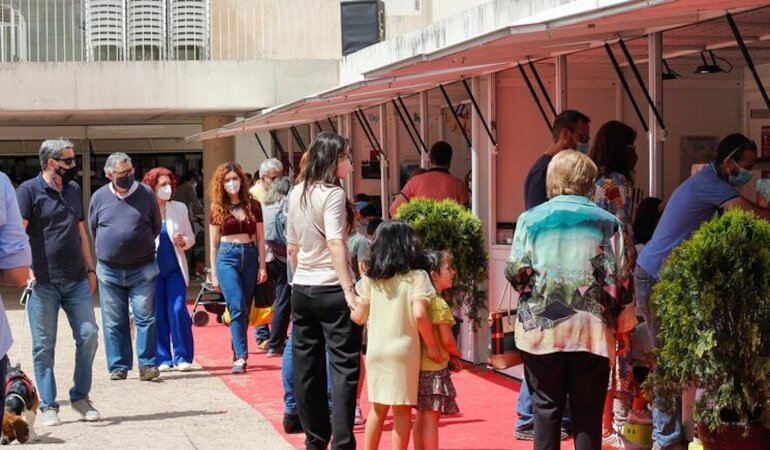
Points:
(393, 348)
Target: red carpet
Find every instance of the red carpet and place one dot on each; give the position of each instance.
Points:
(487, 400)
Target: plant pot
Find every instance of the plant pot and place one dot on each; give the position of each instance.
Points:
(730, 437)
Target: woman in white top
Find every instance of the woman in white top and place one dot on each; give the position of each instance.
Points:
(318, 225)
(172, 320)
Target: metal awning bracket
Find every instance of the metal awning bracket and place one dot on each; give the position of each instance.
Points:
(279, 146)
(411, 122)
(259, 141)
(626, 87)
(747, 58)
(480, 114)
(370, 136)
(298, 138)
(642, 85)
(456, 116)
(534, 96)
(408, 129)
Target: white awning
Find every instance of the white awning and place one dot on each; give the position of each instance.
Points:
(573, 28)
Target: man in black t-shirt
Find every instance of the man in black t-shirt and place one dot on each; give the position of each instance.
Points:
(570, 131)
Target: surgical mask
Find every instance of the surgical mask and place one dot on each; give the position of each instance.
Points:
(743, 177)
(344, 167)
(164, 192)
(67, 174)
(582, 147)
(125, 182)
(233, 186)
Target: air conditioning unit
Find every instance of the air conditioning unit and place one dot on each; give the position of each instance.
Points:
(189, 29)
(105, 30)
(146, 29)
(362, 24)
(13, 34)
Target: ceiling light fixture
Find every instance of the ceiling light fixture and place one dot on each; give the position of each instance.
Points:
(669, 74)
(713, 67)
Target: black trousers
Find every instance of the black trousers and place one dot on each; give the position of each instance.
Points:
(321, 322)
(552, 378)
(279, 327)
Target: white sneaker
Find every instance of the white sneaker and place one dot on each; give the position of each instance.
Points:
(359, 418)
(50, 418)
(164, 368)
(184, 367)
(86, 410)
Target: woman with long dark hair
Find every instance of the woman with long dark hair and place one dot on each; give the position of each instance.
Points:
(237, 247)
(614, 154)
(322, 290)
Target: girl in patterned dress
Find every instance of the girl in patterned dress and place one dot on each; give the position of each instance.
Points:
(436, 392)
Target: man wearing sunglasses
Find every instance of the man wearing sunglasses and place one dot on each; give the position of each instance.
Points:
(51, 207)
(694, 202)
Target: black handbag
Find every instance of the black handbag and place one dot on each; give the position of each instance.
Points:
(264, 294)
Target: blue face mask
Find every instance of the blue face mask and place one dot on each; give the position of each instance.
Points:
(583, 148)
(743, 177)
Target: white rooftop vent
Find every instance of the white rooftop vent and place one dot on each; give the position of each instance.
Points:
(189, 29)
(105, 30)
(146, 29)
(13, 35)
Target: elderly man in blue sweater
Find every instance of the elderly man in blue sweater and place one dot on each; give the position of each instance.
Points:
(125, 220)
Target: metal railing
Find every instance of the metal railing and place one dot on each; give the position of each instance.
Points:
(103, 30)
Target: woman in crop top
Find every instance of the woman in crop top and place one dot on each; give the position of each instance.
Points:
(237, 249)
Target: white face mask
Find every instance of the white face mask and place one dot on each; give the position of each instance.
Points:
(233, 186)
(343, 168)
(164, 192)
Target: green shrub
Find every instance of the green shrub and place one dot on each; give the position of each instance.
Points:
(445, 225)
(713, 306)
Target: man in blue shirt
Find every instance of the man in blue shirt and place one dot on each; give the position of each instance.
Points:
(695, 201)
(51, 207)
(125, 220)
(15, 259)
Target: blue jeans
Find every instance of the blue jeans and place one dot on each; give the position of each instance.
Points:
(43, 309)
(173, 320)
(287, 375)
(666, 428)
(118, 287)
(526, 420)
(262, 333)
(237, 275)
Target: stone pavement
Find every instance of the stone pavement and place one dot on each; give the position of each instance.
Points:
(190, 410)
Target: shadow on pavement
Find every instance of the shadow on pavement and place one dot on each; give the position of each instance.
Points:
(109, 421)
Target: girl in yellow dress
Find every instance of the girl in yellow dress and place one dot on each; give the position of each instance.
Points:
(394, 295)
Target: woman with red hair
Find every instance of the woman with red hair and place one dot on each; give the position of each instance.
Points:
(237, 239)
(172, 320)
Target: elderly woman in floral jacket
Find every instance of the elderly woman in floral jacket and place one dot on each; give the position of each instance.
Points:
(568, 264)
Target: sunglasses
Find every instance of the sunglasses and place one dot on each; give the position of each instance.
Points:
(67, 161)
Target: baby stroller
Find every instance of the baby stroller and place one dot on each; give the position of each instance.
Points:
(211, 300)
